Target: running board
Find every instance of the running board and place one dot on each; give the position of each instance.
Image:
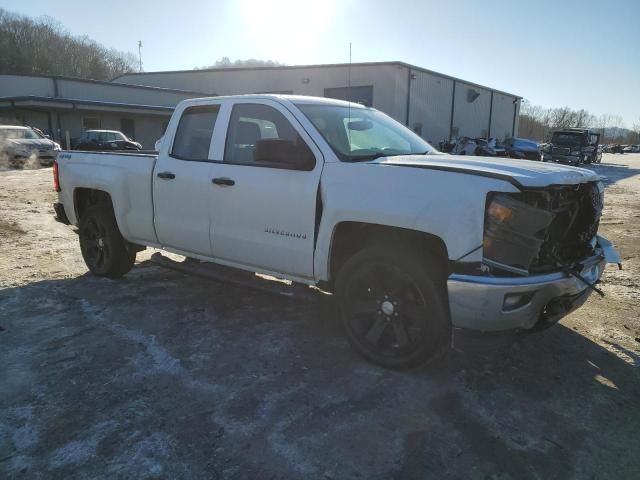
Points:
(240, 278)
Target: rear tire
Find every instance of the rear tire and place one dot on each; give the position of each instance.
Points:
(393, 305)
(105, 252)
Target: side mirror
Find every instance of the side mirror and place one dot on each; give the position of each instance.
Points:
(285, 154)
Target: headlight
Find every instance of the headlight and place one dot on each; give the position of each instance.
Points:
(513, 232)
(575, 153)
(498, 211)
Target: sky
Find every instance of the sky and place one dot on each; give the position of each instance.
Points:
(581, 54)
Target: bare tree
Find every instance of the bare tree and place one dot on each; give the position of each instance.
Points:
(225, 62)
(538, 122)
(43, 46)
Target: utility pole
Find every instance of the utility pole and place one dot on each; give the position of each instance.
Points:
(140, 53)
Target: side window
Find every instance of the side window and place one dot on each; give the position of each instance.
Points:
(193, 136)
(260, 135)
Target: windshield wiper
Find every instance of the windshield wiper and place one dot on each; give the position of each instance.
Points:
(373, 156)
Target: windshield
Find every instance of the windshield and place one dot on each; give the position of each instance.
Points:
(363, 133)
(567, 139)
(19, 133)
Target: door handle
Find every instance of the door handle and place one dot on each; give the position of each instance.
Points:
(166, 175)
(223, 181)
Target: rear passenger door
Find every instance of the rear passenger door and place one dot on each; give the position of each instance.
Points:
(182, 182)
(264, 211)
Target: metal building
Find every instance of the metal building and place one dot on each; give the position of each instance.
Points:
(436, 106)
(61, 105)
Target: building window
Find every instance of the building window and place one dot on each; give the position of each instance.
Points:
(472, 95)
(362, 95)
(91, 123)
(128, 127)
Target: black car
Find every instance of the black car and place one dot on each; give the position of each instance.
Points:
(105, 140)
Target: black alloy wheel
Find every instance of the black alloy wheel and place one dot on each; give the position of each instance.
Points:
(392, 309)
(104, 250)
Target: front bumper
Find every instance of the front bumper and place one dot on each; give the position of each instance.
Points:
(478, 302)
(44, 157)
(554, 157)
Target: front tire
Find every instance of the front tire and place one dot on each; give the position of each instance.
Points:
(393, 306)
(104, 251)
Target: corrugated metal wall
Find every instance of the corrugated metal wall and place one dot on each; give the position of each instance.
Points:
(430, 106)
(502, 118)
(430, 94)
(471, 111)
(300, 81)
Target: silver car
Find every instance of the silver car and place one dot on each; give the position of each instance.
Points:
(20, 145)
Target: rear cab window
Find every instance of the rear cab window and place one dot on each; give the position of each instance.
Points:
(195, 130)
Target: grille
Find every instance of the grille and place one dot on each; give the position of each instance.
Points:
(561, 150)
(577, 210)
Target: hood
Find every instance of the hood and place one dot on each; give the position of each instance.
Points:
(32, 142)
(521, 173)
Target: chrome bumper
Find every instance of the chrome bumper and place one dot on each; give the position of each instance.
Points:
(477, 302)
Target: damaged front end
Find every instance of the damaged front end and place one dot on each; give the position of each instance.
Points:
(542, 230)
(541, 259)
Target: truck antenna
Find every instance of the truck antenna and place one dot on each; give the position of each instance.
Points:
(349, 97)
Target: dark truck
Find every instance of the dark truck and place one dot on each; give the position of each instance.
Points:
(573, 146)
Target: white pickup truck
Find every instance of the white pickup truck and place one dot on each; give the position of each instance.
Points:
(413, 242)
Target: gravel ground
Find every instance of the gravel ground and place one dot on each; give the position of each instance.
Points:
(164, 375)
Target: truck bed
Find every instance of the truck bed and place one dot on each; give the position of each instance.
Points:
(126, 177)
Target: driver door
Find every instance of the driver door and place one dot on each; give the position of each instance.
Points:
(264, 213)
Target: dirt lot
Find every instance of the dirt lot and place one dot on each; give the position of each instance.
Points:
(163, 375)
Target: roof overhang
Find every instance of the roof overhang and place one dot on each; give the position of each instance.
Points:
(78, 104)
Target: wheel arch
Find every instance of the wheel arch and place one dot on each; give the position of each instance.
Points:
(85, 197)
(349, 237)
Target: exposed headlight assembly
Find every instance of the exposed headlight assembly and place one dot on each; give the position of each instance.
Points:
(513, 233)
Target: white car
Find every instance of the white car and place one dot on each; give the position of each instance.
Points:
(20, 144)
(412, 242)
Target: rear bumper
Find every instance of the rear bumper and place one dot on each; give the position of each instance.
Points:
(61, 215)
(478, 303)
